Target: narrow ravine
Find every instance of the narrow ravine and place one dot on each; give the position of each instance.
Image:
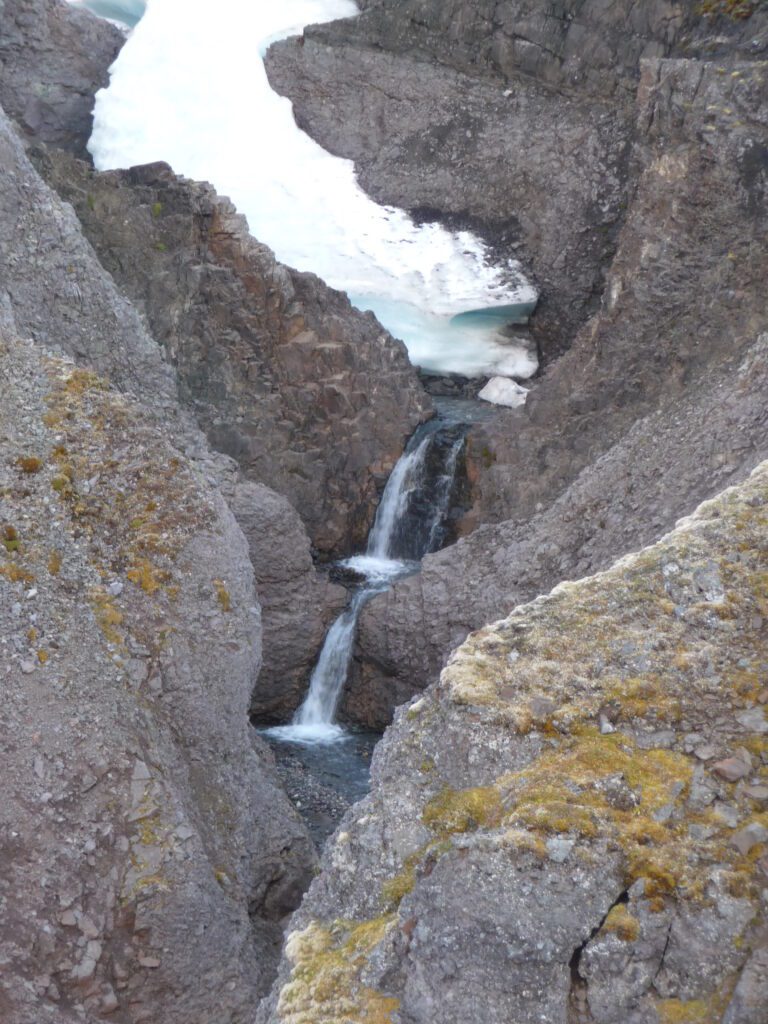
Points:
(411, 522)
(229, 127)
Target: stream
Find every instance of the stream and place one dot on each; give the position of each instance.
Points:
(190, 88)
(412, 520)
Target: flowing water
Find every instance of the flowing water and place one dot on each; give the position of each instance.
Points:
(410, 522)
(189, 87)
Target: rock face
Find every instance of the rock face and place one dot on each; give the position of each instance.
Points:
(298, 604)
(513, 117)
(547, 838)
(149, 852)
(80, 310)
(311, 397)
(53, 59)
(659, 403)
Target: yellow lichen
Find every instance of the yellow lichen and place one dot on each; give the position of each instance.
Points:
(222, 595)
(325, 984)
(462, 810)
(29, 464)
(146, 576)
(621, 923)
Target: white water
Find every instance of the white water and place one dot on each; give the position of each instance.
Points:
(394, 501)
(189, 87)
(314, 720)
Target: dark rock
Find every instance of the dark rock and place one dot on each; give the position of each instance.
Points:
(53, 59)
(309, 396)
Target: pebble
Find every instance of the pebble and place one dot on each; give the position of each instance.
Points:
(757, 793)
(606, 725)
(746, 838)
(559, 850)
(705, 752)
(27, 666)
(753, 720)
(732, 769)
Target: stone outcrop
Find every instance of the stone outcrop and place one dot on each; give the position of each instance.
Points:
(53, 59)
(513, 117)
(311, 397)
(81, 311)
(149, 853)
(298, 604)
(659, 403)
(571, 825)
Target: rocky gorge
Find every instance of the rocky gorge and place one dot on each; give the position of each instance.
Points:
(567, 819)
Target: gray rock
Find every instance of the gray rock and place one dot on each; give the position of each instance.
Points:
(298, 604)
(616, 474)
(311, 397)
(438, 898)
(150, 860)
(53, 59)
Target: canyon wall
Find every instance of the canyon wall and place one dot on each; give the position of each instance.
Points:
(659, 402)
(513, 117)
(570, 825)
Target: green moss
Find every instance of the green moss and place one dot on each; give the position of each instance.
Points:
(462, 810)
(157, 209)
(622, 924)
(325, 982)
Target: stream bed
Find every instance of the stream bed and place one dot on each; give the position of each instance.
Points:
(324, 780)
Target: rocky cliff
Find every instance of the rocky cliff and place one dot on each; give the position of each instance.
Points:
(311, 397)
(149, 851)
(53, 58)
(571, 825)
(659, 402)
(515, 117)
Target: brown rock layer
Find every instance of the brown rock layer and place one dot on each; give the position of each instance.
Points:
(311, 398)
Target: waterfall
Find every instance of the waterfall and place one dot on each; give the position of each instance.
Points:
(392, 552)
(403, 479)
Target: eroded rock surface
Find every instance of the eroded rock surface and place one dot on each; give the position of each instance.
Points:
(298, 604)
(660, 402)
(550, 836)
(515, 117)
(311, 397)
(149, 852)
(53, 59)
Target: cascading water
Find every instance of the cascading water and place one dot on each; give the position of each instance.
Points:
(393, 551)
(227, 126)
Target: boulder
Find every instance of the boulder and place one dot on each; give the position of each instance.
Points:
(516, 861)
(54, 57)
(149, 852)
